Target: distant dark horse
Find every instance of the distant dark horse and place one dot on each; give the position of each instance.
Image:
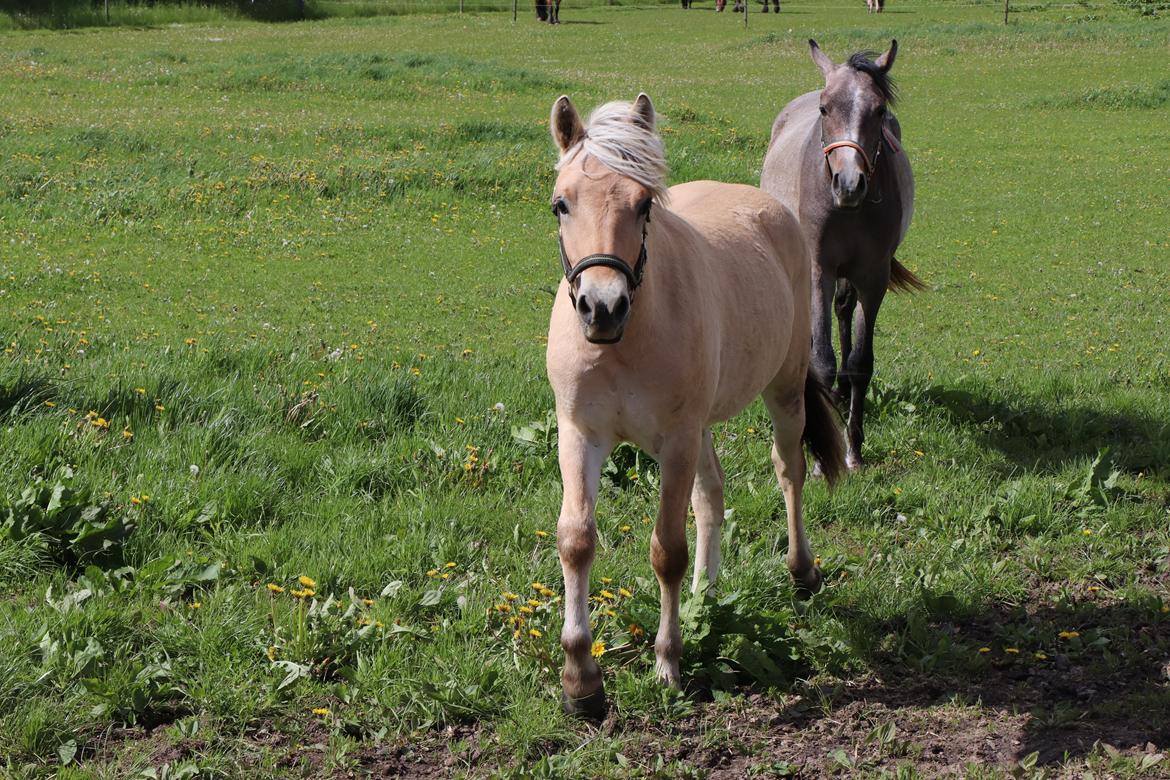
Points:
(836, 160)
(549, 11)
(875, 6)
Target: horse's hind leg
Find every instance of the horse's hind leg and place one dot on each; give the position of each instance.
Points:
(843, 303)
(580, 458)
(786, 407)
(707, 500)
(668, 547)
(859, 368)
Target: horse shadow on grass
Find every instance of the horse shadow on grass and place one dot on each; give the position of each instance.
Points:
(998, 687)
(1054, 680)
(1037, 437)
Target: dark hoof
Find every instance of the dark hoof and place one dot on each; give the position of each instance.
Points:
(591, 707)
(810, 584)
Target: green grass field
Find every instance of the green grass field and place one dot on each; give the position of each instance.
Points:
(273, 301)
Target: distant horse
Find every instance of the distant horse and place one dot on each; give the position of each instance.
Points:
(549, 11)
(875, 6)
(836, 160)
(667, 322)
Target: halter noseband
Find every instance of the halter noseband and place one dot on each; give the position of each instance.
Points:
(633, 275)
(869, 164)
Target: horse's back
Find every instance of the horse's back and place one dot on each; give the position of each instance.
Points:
(736, 220)
(784, 161)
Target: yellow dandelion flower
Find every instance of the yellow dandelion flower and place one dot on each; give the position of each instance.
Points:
(985, 650)
(195, 604)
(1012, 650)
(127, 434)
(516, 634)
(322, 711)
(1040, 656)
(609, 613)
(140, 391)
(272, 586)
(308, 582)
(503, 607)
(625, 529)
(1094, 588)
(1086, 532)
(271, 653)
(450, 565)
(598, 649)
(605, 594)
(535, 633)
(135, 500)
(538, 586)
(547, 593)
(367, 602)
(415, 371)
(636, 630)
(625, 592)
(158, 407)
(145, 498)
(459, 421)
(606, 580)
(542, 534)
(101, 422)
(50, 404)
(526, 610)
(432, 572)
(509, 595)
(1069, 634)
(533, 603)
(445, 575)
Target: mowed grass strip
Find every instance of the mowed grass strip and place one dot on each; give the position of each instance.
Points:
(277, 469)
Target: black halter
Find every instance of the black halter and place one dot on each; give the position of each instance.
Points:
(633, 275)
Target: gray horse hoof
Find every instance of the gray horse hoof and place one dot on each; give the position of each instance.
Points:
(591, 707)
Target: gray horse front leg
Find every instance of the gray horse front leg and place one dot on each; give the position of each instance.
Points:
(824, 362)
(859, 368)
(844, 303)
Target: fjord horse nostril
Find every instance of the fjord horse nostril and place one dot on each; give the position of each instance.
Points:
(583, 307)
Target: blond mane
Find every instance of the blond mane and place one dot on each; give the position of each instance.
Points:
(619, 141)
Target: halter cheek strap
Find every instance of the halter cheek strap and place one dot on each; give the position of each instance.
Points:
(633, 275)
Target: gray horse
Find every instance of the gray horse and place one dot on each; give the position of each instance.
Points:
(836, 160)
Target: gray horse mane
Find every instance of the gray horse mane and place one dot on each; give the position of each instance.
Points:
(862, 61)
(624, 144)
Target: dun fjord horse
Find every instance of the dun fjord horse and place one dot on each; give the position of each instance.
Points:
(667, 321)
(835, 159)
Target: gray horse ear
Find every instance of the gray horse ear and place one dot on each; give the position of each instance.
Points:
(886, 61)
(565, 124)
(820, 58)
(644, 111)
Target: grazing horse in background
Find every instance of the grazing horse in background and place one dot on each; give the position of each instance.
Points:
(668, 321)
(875, 6)
(549, 11)
(836, 160)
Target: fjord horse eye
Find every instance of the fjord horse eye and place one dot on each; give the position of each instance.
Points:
(824, 111)
(644, 208)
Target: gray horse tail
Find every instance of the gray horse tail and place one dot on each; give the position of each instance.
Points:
(822, 427)
(902, 279)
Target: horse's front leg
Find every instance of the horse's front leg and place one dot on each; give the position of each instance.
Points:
(859, 369)
(844, 302)
(581, 456)
(668, 548)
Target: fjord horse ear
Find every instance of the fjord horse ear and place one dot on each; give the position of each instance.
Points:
(886, 61)
(565, 124)
(820, 58)
(644, 111)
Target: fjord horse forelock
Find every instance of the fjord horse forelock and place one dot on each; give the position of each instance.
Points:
(693, 302)
(836, 160)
